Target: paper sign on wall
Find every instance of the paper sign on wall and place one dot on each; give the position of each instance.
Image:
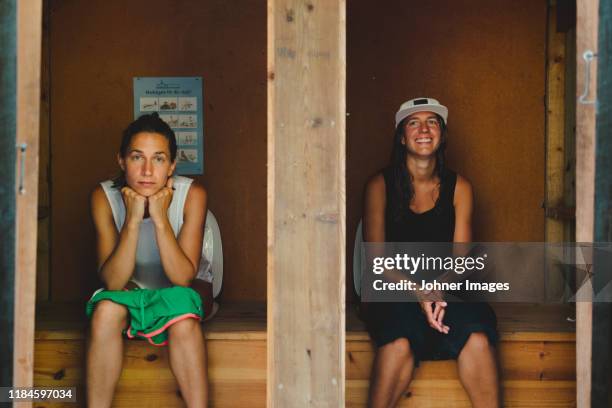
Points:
(179, 102)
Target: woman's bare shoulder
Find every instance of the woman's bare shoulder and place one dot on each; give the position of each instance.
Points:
(375, 197)
(196, 192)
(196, 201)
(100, 207)
(98, 198)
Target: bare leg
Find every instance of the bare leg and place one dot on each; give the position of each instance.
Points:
(478, 371)
(188, 361)
(391, 373)
(105, 352)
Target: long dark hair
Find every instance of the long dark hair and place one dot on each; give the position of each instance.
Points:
(403, 191)
(151, 123)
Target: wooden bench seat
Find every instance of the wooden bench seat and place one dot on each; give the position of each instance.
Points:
(537, 356)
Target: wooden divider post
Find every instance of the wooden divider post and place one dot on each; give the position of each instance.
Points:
(586, 39)
(306, 203)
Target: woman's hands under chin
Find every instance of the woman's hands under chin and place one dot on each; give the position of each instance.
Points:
(160, 202)
(134, 206)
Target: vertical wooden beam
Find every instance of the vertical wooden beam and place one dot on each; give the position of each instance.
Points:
(44, 201)
(306, 203)
(555, 142)
(601, 394)
(29, 28)
(555, 127)
(587, 22)
(570, 130)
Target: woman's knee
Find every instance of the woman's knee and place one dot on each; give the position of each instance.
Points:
(399, 348)
(108, 316)
(185, 328)
(478, 343)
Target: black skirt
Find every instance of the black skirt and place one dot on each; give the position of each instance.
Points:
(387, 322)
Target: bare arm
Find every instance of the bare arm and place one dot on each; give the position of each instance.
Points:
(374, 210)
(116, 251)
(464, 204)
(180, 256)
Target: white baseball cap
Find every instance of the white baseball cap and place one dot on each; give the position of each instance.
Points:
(421, 105)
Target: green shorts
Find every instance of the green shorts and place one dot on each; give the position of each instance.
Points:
(152, 311)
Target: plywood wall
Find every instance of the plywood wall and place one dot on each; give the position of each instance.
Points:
(485, 60)
(96, 48)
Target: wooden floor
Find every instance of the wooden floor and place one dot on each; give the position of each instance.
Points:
(537, 357)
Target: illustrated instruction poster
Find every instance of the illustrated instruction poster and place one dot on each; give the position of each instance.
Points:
(179, 102)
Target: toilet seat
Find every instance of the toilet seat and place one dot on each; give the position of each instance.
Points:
(212, 251)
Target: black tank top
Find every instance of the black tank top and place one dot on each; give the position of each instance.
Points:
(434, 225)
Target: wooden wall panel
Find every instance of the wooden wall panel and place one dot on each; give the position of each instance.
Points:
(96, 48)
(486, 61)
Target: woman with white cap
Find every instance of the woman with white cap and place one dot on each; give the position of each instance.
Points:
(418, 199)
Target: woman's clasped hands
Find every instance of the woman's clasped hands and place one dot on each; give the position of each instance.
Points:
(433, 307)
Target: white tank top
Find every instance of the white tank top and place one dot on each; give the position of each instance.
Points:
(148, 271)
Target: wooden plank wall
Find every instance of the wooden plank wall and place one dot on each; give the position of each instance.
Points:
(306, 203)
(96, 48)
(29, 29)
(586, 39)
